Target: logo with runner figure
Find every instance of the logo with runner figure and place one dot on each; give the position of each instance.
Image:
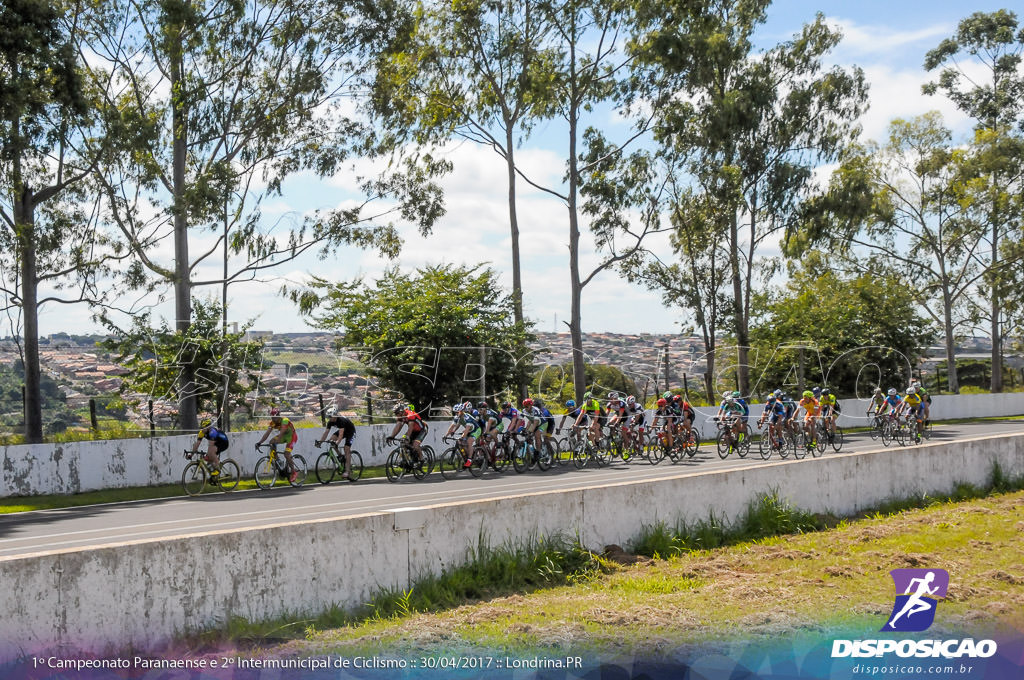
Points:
(918, 592)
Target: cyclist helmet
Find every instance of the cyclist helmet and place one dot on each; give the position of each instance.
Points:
(398, 410)
(808, 394)
(332, 411)
(631, 400)
(911, 390)
(667, 395)
(457, 408)
(205, 423)
(274, 412)
(735, 394)
(663, 402)
(588, 395)
(476, 414)
(506, 405)
(527, 403)
(878, 390)
(483, 406)
(467, 405)
(613, 395)
(730, 400)
(892, 391)
(571, 403)
(825, 392)
(777, 394)
(816, 390)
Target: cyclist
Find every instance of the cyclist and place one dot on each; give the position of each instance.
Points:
(811, 408)
(877, 402)
(218, 442)
(346, 428)
(490, 422)
(616, 410)
(742, 403)
(571, 411)
(635, 417)
(287, 435)
(549, 420)
(775, 413)
(515, 421)
(415, 432)
(911, 405)
(665, 414)
(468, 419)
(829, 408)
(591, 408)
(892, 403)
(926, 399)
(536, 425)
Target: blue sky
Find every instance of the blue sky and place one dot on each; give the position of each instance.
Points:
(887, 39)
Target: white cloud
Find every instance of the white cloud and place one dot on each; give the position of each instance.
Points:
(874, 40)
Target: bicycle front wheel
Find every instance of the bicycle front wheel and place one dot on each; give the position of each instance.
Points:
(193, 478)
(724, 444)
(451, 463)
(326, 467)
(837, 439)
(393, 467)
(356, 467)
(521, 458)
(229, 475)
(266, 473)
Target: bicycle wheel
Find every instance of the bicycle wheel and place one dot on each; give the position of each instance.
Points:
(265, 473)
(356, 467)
(724, 444)
(802, 445)
(545, 457)
(428, 461)
(876, 429)
(326, 467)
(193, 478)
(602, 455)
(764, 445)
(521, 458)
(502, 455)
(229, 475)
(887, 434)
(837, 439)
(580, 455)
(451, 463)
(656, 449)
(478, 463)
(742, 444)
(394, 468)
(300, 464)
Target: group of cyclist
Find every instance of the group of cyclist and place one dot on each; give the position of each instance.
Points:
(673, 418)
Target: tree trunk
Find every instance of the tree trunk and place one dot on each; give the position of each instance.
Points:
(952, 380)
(579, 375)
(187, 410)
(24, 220)
(996, 384)
(742, 334)
(513, 221)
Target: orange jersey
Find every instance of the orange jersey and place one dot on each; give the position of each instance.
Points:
(811, 406)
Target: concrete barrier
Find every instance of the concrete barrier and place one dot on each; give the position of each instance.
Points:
(140, 594)
(74, 467)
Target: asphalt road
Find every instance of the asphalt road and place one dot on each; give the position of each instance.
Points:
(96, 525)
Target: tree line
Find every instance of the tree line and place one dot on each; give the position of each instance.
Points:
(130, 130)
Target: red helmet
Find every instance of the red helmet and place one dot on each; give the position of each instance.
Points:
(275, 412)
(527, 403)
(677, 397)
(662, 402)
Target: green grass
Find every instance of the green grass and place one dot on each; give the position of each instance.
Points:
(558, 574)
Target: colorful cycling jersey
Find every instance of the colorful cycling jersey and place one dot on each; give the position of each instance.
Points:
(532, 414)
(617, 408)
(810, 405)
(912, 400)
(735, 408)
(877, 402)
(213, 434)
(462, 418)
(511, 413)
(284, 426)
(575, 413)
(829, 401)
(893, 401)
(790, 407)
(742, 403)
(775, 407)
(490, 417)
(414, 420)
(592, 406)
(665, 414)
(635, 412)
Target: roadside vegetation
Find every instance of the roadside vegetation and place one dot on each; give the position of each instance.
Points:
(777, 570)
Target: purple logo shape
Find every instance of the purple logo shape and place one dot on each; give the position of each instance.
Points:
(917, 594)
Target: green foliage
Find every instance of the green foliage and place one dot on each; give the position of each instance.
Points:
(419, 333)
(858, 332)
(155, 356)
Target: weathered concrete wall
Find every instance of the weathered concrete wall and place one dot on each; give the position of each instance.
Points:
(75, 467)
(140, 594)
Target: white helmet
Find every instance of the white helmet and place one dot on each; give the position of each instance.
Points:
(631, 400)
(332, 411)
(457, 408)
(911, 390)
(892, 391)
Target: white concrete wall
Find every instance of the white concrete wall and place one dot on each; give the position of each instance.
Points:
(75, 467)
(140, 594)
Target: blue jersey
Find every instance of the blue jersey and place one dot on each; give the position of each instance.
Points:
(214, 435)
